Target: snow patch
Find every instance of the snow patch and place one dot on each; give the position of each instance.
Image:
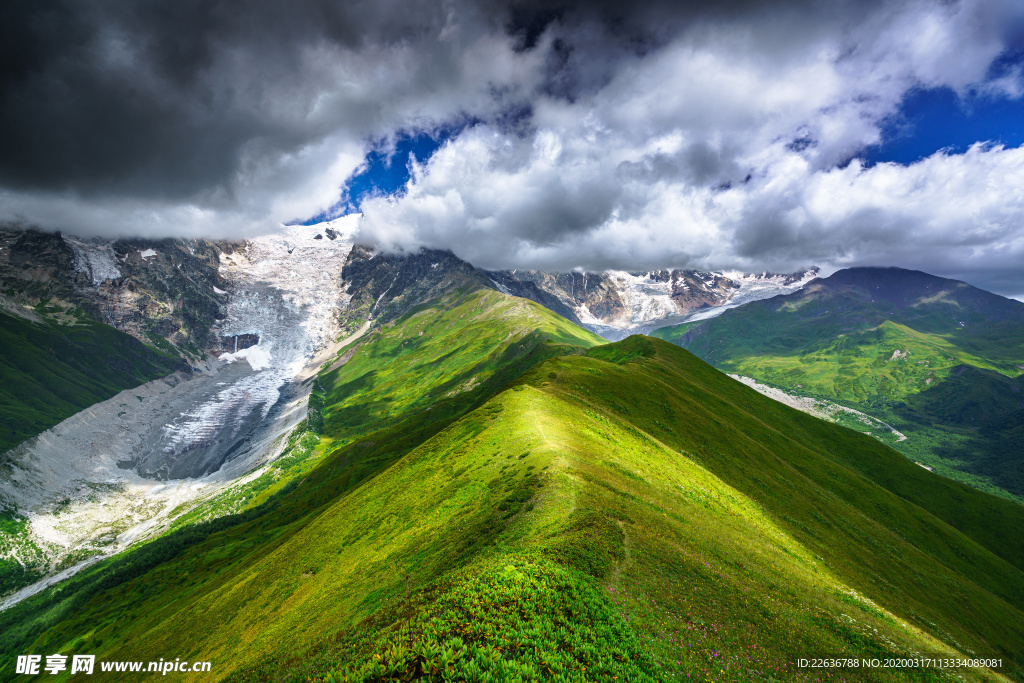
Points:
(501, 288)
(754, 288)
(649, 304)
(147, 253)
(258, 358)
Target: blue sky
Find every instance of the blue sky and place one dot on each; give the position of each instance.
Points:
(933, 119)
(928, 120)
(385, 170)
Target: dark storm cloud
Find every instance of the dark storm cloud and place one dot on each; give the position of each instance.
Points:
(194, 116)
(591, 134)
(166, 99)
(144, 98)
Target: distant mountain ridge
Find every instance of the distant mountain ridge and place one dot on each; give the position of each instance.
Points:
(616, 304)
(940, 359)
(613, 304)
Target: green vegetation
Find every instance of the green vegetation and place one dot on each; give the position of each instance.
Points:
(939, 360)
(49, 372)
(524, 621)
(13, 548)
(500, 498)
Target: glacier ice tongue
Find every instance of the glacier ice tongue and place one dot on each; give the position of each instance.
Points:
(122, 470)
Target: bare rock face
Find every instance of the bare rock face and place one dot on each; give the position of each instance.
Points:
(384, 286)
(167, 290)
(162, 292)
(591, 292)
(238, 342)
(37, 268)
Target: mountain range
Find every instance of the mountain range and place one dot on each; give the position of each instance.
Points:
(940, 361)
(402, 467)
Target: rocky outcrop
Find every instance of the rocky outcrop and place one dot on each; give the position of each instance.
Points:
(166, 293)
(693, 290)
(565, 293)
(382, 287)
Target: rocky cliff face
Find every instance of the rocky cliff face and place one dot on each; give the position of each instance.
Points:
(166, 290)
(37, 271)
(168, 293)
(382, 287)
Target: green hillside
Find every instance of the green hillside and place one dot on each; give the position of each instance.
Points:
(50, 371)
(938, 359)
(497, 497)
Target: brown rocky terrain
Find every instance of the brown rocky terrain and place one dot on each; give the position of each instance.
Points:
(165, 292)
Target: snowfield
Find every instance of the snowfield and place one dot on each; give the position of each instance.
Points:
(755, 288)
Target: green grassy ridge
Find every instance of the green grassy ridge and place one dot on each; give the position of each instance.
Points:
(345, 466)
(462, 486)
(614, 488)
(836, 341)
(576, 463)
(49, 372)
(990, 521)
(435, 351)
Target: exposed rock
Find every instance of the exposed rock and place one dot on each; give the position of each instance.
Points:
(160, 292)
(237, 342)
(384, 286)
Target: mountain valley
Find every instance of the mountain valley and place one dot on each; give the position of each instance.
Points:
(403, 467)
(940, 361)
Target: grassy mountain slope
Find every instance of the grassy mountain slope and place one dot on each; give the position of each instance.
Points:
(49, 372)
(496, 502)
(940, 360)
(406, 380)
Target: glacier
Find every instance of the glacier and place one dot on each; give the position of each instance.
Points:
(122, 470)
